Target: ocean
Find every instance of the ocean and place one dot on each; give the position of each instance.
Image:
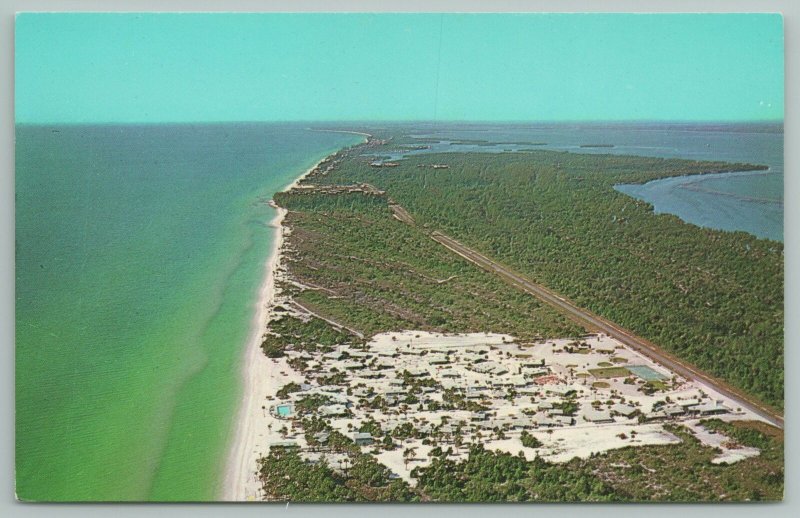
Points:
(139, 254)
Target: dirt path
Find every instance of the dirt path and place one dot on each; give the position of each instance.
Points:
(305, 308)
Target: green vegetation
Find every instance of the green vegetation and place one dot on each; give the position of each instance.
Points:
(679, 473)
(568, 407)
(714, 298)
(750, 433)
(610, 372)
(290, 332)
(372, 427)
(286, 477)
(379, 274)
(529, 441)
(500, 477)
(653, 386)
(452, 400)
(404, 431)
(308, 404)
(684, 472)
(287, 389)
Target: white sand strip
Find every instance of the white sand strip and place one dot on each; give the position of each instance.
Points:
(261, 377)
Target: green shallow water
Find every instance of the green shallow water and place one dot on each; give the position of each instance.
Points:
(140, 250)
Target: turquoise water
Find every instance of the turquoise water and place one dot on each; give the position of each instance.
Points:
(139, 252)
(284, 410)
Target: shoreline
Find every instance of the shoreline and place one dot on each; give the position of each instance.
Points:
(259, 376)
(661, 194)
(702, 177)
(350, 132)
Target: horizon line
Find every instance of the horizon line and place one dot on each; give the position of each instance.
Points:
(405, 121)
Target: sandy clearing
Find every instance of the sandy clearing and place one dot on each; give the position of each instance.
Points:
(717, 440)
(565, 444)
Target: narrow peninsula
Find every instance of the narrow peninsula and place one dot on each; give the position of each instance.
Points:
(508, 327)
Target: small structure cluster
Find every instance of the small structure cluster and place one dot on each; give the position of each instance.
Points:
(381, 163)
(419, 391)
(362, 188)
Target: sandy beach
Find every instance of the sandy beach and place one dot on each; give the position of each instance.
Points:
(262, 377)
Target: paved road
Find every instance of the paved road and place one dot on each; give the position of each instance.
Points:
(598, 323)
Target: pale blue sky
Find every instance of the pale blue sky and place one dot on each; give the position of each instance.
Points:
(274, 67)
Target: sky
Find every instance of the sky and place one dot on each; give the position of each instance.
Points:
(212, 67)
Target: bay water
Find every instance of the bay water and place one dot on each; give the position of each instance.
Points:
(744, 201)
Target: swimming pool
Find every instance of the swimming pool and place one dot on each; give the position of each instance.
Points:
(284, 410)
